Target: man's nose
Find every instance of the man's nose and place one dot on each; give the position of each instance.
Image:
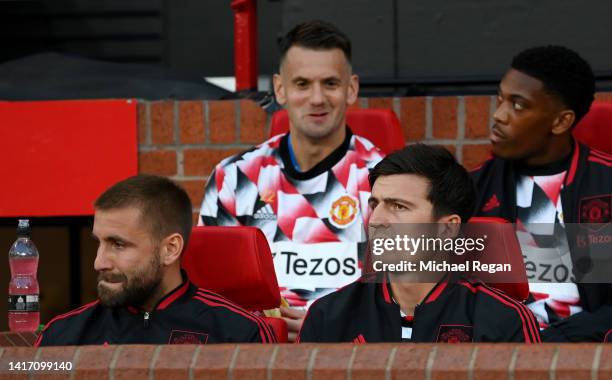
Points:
(317, 96)
(102, 261)
(501, 114)
(379, 217)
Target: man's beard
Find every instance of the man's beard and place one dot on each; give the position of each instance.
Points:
(134, 291)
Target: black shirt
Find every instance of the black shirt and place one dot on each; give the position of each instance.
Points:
(185, 315)
(455, 310)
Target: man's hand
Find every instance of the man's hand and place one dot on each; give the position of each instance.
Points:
(294, 319)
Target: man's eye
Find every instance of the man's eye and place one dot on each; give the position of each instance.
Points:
(118, 244)
(397, 206)
(301, 84)
(518, 106)
(332, 83)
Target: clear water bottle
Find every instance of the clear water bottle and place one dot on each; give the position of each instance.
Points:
(23, 308)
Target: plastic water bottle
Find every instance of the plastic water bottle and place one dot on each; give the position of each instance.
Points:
(23, 308)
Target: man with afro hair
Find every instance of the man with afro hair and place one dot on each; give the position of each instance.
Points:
(542, 179)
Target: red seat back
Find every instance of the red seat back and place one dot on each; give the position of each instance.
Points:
(380, 126)
(502, 246)
(595, 128)
(235, 262)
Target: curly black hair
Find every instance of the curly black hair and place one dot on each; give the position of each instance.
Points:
(564, 74)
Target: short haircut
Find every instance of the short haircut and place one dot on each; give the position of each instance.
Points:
(451, 189)
(564, 74)
(315, 35)
(165, 207)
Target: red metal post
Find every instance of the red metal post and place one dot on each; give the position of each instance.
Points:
(245, 44)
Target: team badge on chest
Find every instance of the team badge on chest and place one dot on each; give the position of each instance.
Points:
(344, 211)
(595, 209)
(454, 334)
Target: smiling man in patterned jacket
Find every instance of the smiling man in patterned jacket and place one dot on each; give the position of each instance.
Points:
(307, 189)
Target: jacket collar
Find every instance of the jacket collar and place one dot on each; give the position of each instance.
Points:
(327, 163)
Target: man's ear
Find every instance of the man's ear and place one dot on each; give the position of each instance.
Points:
(172, 247)
(353, 89)
(449, 226)
(563, 122)
(279, 89)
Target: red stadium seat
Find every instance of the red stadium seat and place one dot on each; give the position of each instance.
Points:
(235, 262)
(504, 248)
(380, 126)
(595, 128)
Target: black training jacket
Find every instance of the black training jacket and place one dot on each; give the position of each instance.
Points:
(586, 197)
(187, 315)
(454, 311)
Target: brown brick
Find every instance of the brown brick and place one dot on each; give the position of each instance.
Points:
(16, 339)
(56, 355)
(493, 361)
(412, 118)
(5, 341)
(533, 361)
(201, 162)
(477, 116)
(191, 122)
(29, 338)
(380, 103)
(195, 190)
(410, 361)
(356, 105)
(162, 122)
(332, 361)
(252, 123)
(160, 162)
(450, 148)
(574, 361)
(15, 354)
(371, 361)
(213, 361)
(93, 362)
(134, 362)
(452, 361)
(142, 122)
(603, 96)
(605, 363)
(444, 117)
(252, 362)
(174, 361)
(222, 121)
(292, 361)
(474, 155)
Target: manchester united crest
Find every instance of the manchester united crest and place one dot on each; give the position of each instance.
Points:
(454, 334)
(595, 210)
(187, 337)
(344, 211)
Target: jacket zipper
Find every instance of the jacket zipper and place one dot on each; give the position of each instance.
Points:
(147, 317)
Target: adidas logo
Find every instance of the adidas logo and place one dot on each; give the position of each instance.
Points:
(491, 204)
(265, 213)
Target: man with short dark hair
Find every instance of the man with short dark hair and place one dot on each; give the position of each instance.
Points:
(547, 183)
(142, 225)
(307, 190)
(421, 186)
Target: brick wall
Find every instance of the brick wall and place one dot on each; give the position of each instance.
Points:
(331, 361)
(185, 139)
